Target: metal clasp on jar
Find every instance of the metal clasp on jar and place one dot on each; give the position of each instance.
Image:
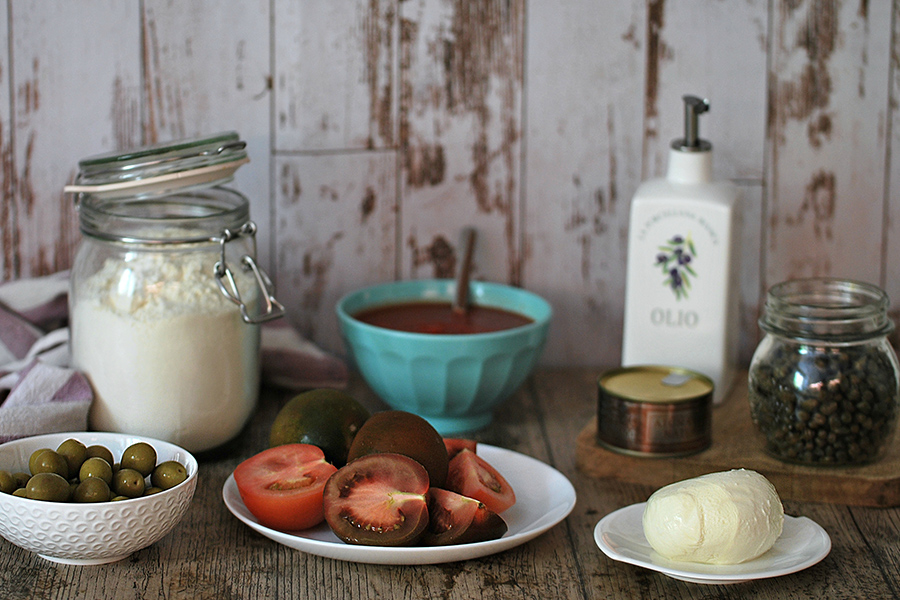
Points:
(228, 286)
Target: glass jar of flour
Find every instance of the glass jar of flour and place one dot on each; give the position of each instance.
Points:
(166, 296)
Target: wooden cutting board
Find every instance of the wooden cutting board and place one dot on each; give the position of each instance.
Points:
(735, 444)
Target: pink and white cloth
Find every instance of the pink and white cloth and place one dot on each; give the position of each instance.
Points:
(41, 393)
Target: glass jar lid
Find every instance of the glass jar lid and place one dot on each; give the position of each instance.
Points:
(161, 169)
(826, 310)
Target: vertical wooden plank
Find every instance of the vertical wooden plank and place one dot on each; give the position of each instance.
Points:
(75, 94)
(460, 131)
(826, 139)
(891, 281)
(718, 51)
(9, 259)
(337, 71)
(335, 166)
(582, 164)
(202, 80)
(336, 227)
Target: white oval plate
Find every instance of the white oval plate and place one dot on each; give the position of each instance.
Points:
(803, 543)
(544, 497)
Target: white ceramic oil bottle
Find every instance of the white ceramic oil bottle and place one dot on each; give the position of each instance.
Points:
(681, 287)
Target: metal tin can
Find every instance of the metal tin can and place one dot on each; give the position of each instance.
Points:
(654, 411)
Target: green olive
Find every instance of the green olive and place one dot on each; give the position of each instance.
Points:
(74, 452)
(119, 498)
(33, 459)
(96, 467)
(128, 482)
(92, 489)
(47, 486)
(50, 461)
(152, 490)
(21, 493)
(100, 451)
(141, 457)
(168, 474)
(21, 479)
(7, 482)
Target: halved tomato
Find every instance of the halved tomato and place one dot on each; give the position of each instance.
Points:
(454, 445)
(282, 487)
(472, 476)
(378, 500)
(456, 519)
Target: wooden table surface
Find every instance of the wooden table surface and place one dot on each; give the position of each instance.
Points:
(211, 554)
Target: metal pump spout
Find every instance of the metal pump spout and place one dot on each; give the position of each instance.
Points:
(691, 142)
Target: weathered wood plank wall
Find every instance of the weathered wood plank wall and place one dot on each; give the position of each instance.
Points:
(379, 128)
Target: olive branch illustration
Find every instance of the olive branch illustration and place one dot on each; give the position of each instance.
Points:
(675, 261)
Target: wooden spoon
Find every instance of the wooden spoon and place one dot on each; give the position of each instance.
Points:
(461, 302)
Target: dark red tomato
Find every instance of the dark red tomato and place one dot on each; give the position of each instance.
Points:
(440, 318)
(283, 486)
(471, 475)
(454, 445)
(456, 519)
(378, 500)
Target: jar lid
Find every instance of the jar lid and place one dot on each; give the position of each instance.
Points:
(162, 168)
(655, 384)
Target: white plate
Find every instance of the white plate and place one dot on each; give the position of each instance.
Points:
(544, 497)
(803, 543)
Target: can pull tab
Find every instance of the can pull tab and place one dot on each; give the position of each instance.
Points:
(228, 286)
(691, 142)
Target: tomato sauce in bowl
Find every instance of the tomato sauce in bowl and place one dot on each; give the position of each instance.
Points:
(440, 318)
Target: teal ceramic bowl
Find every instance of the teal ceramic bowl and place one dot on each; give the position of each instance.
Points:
(454, 381)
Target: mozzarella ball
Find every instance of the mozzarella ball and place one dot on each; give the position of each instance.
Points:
(720, 518)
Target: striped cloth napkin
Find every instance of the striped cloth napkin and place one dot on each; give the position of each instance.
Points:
(40, 393)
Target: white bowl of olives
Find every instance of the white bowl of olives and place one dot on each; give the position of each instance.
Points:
(100, 511)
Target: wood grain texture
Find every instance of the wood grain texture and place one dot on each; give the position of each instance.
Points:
(582, 158)
(532, 121)
(828, 98)
(212, 555)
(460, 131)
(67, 102)
(336, 223)
(202, 80)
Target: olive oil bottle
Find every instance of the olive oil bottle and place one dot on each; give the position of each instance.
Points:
(681, 286)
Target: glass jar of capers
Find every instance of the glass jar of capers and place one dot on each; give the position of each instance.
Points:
(823, 383)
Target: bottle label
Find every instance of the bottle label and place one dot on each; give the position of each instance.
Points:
(675, 258)
(667, 317)
(675, 252)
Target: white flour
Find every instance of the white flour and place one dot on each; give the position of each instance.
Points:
(168, 355)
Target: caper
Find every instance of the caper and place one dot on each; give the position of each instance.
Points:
(7, 482)
(128, 482)
(168, 474)
(50, 461)
(141, 457)
(74, 452)
(47, 486)
(825, 405)
(92, 489)
(96, 467)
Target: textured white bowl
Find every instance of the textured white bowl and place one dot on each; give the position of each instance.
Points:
(92, 534)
